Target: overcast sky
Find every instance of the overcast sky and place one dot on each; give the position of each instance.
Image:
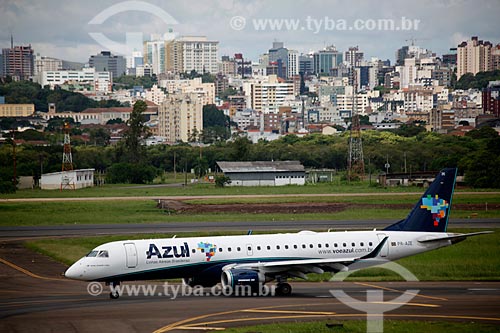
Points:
(61, 29)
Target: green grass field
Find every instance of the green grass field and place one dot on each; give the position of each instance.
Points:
(127, 190)
(145, 211)
(355, 326)
(473, 259)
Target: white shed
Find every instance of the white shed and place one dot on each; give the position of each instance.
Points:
(79, 178)
(264, 173)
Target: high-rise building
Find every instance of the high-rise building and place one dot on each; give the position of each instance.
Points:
(155, 55)
(227, 66)
(135, 59)
(491, 98)
(473, 56)
(18, 62)
(188, 53)
(269, 96)
(306, 64)
(106, 62)
(47, 64)
(179, 117)
(278, 56)
(327, 60)
(292, 63)
(495, 57)
(354, 56)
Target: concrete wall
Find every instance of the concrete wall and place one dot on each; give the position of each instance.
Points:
(266, 179)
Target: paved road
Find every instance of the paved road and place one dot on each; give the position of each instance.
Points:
(141, 228)
(48, 303)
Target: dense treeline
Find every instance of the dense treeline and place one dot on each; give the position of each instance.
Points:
(477, 155)
(478, 81)
(25, 92)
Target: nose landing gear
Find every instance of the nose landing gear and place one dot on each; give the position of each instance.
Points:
(114, 294)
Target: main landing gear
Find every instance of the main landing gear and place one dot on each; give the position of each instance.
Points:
(283, 288)
(114, 294)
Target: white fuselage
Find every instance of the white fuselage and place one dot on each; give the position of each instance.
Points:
(181, 257)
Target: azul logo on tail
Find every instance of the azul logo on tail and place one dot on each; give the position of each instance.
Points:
(436, 206)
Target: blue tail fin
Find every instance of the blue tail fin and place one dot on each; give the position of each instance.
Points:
(433, 209)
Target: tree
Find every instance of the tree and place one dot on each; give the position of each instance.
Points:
(136, 132)
(215, 124)
(221, 181)
(228, 92)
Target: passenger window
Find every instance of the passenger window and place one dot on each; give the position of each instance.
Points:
(295, 246)
(327, 245)
(228, 249)
(319, 246)
(311, 246)
(353, 244)
(303, 246)
(238, 249)
(361, 244)
(268, 247)
(258, 248)
(249, 248)
(202, 250)
(194, 250)
(335, 245)
(220, 249)
(286, 247)
(344, 244)
(371, 244)
(277, 247)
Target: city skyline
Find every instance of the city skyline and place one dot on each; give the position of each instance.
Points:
(61, 29)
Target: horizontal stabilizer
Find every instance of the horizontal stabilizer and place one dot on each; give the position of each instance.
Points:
(455, 238)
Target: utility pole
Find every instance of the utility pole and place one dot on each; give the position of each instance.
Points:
(175, 165)
(14, 177)
(355, 163)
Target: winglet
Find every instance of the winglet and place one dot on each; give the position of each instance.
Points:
(377, 250)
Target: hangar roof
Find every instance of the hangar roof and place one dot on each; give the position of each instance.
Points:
(261, 166)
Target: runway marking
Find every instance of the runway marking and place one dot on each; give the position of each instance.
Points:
(421, 316)
(25, 271)
(399, 291)
(24, 303)
(256, 318)
(288, 311)
(483, 289)
(334, 315)
(199, 328)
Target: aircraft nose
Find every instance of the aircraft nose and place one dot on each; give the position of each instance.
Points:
(75, 272)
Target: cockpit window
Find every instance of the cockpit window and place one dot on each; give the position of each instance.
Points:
(92, 254)
(103, 254)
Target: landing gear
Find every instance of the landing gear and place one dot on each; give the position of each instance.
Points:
(114, 294)
(283, 288)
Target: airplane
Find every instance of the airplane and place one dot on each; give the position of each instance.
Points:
(253, 260)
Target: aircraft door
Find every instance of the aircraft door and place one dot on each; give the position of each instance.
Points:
(131, 254)
(384, 252)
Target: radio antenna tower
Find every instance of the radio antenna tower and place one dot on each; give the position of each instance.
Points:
(67, 177)
(355, 163)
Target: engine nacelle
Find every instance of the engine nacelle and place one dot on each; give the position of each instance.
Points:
(248, 278)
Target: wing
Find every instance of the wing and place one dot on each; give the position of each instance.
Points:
(299, 268)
